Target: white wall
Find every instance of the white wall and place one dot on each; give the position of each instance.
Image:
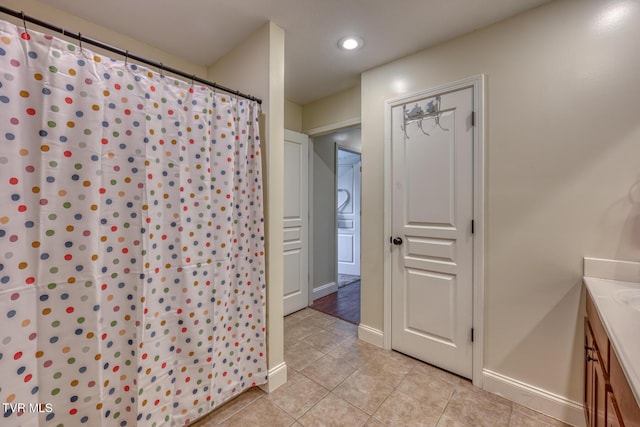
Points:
(563, 172)
(256, 66)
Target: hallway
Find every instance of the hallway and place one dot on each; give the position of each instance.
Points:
(344, 304)
(334, 379)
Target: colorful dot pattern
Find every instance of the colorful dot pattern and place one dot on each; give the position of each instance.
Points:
(132, 282)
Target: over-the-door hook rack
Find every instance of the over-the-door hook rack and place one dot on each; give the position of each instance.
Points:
(418, 114)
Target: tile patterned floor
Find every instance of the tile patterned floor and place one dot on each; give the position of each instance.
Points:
(334, 379)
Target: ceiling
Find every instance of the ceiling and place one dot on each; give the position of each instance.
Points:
(201, 31)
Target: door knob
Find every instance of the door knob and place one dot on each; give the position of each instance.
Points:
(397, 241)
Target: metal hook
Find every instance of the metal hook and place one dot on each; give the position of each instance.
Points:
(126, 58)
(80, 41)
(404, 125)
(24, 21)
(437, 118)
(439, 125)
(193, 76)
(421, 128)
(161, 70)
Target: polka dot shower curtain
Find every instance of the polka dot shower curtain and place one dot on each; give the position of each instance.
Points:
(132, 288)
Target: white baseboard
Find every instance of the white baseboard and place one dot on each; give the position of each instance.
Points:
(277, 377)
(370, 335)
(534, 398)
(324, 290)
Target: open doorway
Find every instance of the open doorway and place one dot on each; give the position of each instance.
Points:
(348, 173)
(336, 224)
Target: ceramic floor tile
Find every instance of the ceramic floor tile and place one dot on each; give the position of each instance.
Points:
(381, 362)
(324, 341)
(231, 407)
(451, 421)
(434, 372)
(320, 319)
(297, 395)
(478, 408)
(299, 331)
(301, 355)
(426, 388)
(342, 328)
(372, 422)
(334, 411)
(328, 372)
(400, 409)
(366, 391)
(301, 314)
(525, 417)
(262, 412)
(354, 352)
(400, 359)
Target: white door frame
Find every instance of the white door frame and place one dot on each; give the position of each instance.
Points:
(477, 83)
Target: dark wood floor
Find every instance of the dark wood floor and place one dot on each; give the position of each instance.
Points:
(344, 304)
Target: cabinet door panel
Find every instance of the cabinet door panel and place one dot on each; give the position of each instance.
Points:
(613, 413)
(625, 399)
(600, 392)
(588, 374)
(599, 334)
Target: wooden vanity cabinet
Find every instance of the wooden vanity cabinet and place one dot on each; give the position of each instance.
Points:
(596, 382)
(608, 398)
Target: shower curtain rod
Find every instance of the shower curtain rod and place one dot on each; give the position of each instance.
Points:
(78, 36)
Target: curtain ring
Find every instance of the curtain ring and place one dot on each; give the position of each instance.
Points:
(161, 69)
(80, 41)
(24, 21)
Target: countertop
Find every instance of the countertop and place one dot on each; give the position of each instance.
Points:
(622, 324)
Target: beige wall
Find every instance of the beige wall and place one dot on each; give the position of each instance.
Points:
(73, 23)
(256, 66)
(324, 215)
(562, 180)
(336, 109)
(292, 116)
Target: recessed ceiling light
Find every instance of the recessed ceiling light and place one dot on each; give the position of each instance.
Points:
(350, 43)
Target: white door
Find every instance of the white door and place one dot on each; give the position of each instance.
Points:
(348, 201)
(296, 221)
(432, 210)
